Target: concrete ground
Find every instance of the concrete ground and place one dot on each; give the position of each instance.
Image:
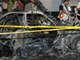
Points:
(46, 58)
(54, 58)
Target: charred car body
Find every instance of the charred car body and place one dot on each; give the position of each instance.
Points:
(36, 44)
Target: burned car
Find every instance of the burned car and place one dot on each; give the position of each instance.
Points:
(17, 46)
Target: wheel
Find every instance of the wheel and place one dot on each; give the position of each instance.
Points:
(76, 45)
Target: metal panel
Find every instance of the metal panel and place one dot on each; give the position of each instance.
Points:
(73, 2)
(51, 5)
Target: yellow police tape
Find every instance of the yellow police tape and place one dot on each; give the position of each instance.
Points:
(34, 31)
(15, 26)
(56, 28)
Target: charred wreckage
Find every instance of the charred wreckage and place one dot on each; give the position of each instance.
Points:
(58, 43)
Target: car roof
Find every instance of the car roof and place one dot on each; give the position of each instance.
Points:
(21, 12)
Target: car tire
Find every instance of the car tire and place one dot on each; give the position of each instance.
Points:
(76, 45)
